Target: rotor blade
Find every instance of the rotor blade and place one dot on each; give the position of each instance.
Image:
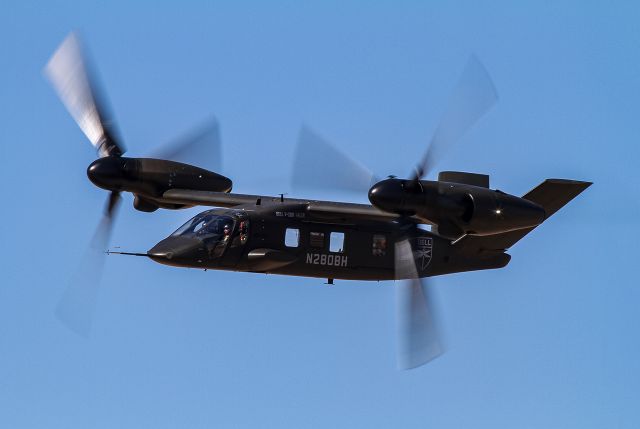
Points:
(419, 340)
(473, 96)
(75, 308)
(68, 72)
(320, 165)
(201, 147)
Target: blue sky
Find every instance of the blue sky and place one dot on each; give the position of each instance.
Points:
(550, 341)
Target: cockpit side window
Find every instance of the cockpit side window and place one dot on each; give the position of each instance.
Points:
(243, 230)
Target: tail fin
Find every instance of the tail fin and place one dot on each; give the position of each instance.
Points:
(552, 194)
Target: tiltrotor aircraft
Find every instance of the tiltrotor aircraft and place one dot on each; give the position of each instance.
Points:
(472, 225)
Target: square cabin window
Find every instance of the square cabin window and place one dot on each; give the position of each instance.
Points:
(379, 245)
(292, 237)
(336, 242)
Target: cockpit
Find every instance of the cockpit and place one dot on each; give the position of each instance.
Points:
(204, 237)
(207, 225)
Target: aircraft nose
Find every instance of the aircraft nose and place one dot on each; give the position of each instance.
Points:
(177, 249)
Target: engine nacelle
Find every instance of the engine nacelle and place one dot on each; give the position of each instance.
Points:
(492, 212)
(456, 209)
(150, 178)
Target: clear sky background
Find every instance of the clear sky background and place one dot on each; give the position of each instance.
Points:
(551, 341)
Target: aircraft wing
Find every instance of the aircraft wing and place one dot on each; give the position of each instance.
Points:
(327, 210)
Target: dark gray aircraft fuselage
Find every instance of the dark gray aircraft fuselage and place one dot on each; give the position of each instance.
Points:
(286, 239)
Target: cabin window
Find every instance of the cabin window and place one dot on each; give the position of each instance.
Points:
(292, 237)
(336, 242)
(316, 239)
(379, 245)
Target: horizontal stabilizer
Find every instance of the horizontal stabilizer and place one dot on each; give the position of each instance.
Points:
(474, 179)
(552, 195)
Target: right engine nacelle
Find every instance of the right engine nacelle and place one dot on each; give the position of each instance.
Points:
(491, 212)
(455, 208)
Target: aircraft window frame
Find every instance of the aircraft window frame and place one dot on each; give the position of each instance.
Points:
(292, 237)
(336, 241)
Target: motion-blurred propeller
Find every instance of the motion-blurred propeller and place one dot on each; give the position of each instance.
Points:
(69, 72)
(418, 328)
(319, 165)
(76, 307)
(473, 96)
(201, 146)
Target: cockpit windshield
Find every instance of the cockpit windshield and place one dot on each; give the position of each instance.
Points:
(216, 231)
(207, 225)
